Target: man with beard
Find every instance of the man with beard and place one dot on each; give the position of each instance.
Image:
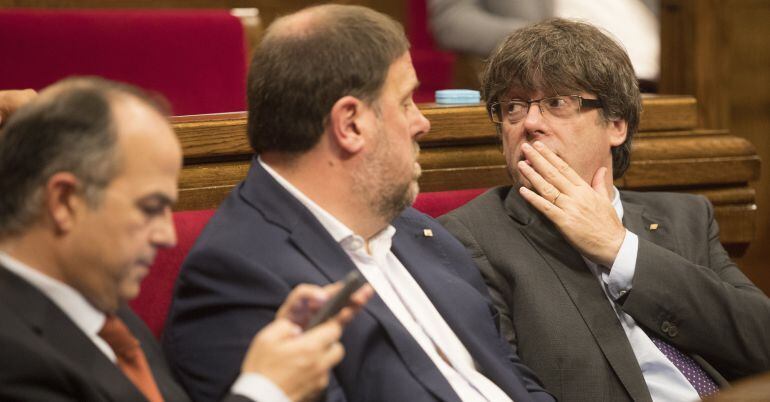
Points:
(607, 295)
(334, 127)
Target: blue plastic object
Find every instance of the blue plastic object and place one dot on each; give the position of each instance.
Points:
(458, 97)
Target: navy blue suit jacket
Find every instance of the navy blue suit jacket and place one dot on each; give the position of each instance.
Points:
(262, 242)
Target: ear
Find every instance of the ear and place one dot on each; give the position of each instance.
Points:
(346, 122)
(62, 201)
(617, 130)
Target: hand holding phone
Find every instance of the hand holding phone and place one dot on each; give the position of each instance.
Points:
(352, 282)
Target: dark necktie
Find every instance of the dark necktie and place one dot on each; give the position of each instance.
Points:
(698, 378)
(131, 359)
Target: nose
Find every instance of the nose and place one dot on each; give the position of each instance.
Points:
(163, 235)
(533, 121)
(421, 126)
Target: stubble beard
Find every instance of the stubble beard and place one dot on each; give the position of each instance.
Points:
(386, 193)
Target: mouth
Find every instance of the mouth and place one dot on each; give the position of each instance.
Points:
(522, 157)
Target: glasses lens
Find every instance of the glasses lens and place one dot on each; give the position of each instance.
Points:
(563, 107)
(517, 110)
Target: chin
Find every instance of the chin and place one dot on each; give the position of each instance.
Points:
(131, 284)
(412, 192)
(129, 292)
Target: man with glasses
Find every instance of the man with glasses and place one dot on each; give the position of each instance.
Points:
(335, 130)
(607, 295)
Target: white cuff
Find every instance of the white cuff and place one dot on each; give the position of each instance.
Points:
(621, 276)
(258, 388)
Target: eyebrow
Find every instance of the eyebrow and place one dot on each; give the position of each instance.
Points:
(158, 197)
(411, 90)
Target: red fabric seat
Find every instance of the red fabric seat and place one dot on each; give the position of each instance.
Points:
(154, 300)
(155, 296)
(196, 59)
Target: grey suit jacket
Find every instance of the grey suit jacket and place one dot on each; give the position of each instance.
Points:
(557, 318)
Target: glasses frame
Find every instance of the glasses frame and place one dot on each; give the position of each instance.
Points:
(582, 103)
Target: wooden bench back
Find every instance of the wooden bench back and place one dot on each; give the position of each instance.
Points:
(462, 151)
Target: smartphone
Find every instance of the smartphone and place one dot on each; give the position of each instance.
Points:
(352, 282)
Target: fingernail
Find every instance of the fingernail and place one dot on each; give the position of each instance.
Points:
(526, 146)
(539, 145)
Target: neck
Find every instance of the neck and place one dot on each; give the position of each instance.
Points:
(29, 248)
(326, 180)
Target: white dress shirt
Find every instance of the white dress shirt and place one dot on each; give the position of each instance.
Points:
(90, 320)
(664, 380)
(406, 300)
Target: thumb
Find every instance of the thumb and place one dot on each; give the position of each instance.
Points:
(598, 183)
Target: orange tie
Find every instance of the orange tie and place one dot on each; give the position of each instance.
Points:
(131, 359)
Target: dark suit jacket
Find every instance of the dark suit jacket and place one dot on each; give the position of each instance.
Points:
(262, 242)
(556, 316)
(44, 356)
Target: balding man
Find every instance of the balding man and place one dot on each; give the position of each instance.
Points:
(332, 120)
(88, 173)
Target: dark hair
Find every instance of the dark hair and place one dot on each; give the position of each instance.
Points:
(569, 56)
(69, 127)
(303, 66)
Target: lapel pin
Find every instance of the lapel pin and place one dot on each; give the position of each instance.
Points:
(427, 233)
(653, 226)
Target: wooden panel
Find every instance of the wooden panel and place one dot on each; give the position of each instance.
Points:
(212, 136)
(693, 59)
(717, 51)
(661, 112)
(749, 96)
(218, 135)
(462, 151)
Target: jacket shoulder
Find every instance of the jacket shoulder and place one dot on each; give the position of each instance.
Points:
(487, 206)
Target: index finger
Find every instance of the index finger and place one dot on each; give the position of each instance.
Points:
(546, 169)
(565, 169)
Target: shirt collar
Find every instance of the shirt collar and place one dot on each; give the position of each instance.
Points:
(379, 243)
(70, 301)
(616, 203)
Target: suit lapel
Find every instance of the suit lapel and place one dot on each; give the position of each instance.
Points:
(647, 226)
(584, 290)
(317, 245)
(449, 296)
(329, 258)
(56, 329)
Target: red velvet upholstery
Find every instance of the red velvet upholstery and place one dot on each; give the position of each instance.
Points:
(196, 59)
(438, 203)
(434, 67)
(155, 297)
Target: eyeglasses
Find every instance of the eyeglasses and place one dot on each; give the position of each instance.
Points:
(561, 107)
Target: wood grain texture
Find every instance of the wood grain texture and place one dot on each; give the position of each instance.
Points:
(717, 51)
(463, 151)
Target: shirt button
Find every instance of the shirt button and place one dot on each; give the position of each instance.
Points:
(622, 293)
(673, 331)
(665, 326)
